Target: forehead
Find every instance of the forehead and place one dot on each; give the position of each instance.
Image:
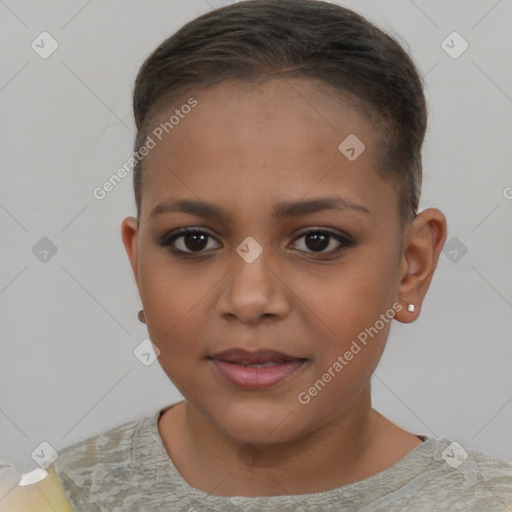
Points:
(241, 112)
(247, 142)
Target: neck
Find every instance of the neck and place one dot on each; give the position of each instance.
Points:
(335, 454)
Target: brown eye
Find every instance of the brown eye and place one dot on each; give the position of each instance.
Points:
(193, 241)
(317, 241)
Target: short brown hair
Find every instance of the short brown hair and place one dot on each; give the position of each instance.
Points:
(308, 38)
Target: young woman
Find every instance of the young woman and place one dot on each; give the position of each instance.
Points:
(277, 175)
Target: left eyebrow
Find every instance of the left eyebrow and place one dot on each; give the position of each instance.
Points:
(280, 210)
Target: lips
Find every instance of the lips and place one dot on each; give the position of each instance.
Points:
(255, 370)
(240, 356)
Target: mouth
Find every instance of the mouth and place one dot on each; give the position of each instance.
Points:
(256, 370)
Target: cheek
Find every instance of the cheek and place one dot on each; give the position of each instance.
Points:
(351, 299)
(174, 326)
(347, 322)
(170, 288)
(174, 297)
(345, 364)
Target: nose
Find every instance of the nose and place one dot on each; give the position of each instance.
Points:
(253, 292)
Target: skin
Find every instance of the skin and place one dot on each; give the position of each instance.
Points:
(245, 147)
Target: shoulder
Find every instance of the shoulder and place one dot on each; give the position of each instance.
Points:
(108, 466)
(467, 477)
(104, 447)
(88, 460)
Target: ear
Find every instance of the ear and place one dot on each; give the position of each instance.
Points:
(423, 241)
(129, 229)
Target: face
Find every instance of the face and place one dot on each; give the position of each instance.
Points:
(311, 282)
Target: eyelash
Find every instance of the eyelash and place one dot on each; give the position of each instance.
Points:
(168, 239)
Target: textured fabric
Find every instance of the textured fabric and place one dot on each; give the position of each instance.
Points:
(128, 468)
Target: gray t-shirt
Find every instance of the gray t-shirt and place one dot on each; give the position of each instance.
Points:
(128, 468)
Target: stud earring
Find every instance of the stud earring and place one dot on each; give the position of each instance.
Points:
(411, 308)
(141, 317)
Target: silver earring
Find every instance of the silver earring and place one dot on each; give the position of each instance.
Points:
(411, 308)
(141, 317)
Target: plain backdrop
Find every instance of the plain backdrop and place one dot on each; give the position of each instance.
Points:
(68, 324)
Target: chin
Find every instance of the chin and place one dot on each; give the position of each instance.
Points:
(258, 424)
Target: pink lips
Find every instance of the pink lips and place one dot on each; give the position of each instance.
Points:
(273, 367)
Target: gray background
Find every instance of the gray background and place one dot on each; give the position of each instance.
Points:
(69, 326)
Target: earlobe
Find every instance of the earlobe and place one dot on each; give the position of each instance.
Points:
(424, 240)
(129, 235)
